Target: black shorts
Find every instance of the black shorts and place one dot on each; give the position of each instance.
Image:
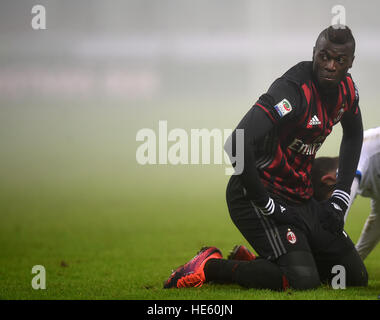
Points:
(271, 240)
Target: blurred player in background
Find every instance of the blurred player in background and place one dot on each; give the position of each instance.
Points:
(366, 183)
(299, 240)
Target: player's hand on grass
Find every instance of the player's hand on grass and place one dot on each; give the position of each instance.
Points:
(333, 211)
(281, 214)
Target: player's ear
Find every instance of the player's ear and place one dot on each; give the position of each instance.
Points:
(329, 179)
(352, 61)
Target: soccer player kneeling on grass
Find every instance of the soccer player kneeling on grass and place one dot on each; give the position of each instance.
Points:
(299, 240)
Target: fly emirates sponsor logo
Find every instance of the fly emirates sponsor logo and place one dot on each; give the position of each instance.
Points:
(306, 148)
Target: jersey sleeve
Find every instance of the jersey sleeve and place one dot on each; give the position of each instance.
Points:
(282, 102)
(354, 95)
(362, 166)
(350, 149)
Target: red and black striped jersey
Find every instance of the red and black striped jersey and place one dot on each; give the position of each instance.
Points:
(302, 121)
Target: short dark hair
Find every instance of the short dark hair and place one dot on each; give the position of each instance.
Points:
(338, 34)
(321, 166)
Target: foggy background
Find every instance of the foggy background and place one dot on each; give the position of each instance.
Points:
(73, 96)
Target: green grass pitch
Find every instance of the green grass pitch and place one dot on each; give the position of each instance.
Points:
(73, 199)
(112, 243)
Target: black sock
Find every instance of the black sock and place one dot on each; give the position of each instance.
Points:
(259, 273)
(221, 270)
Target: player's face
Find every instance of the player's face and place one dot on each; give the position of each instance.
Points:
(329, 180)
(331, 62)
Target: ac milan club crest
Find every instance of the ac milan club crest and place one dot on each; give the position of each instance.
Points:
(291, 237)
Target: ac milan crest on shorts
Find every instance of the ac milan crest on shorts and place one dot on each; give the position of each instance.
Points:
(291, 237)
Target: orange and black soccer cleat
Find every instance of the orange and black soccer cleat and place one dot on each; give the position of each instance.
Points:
(192, 273)
(240, 252)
